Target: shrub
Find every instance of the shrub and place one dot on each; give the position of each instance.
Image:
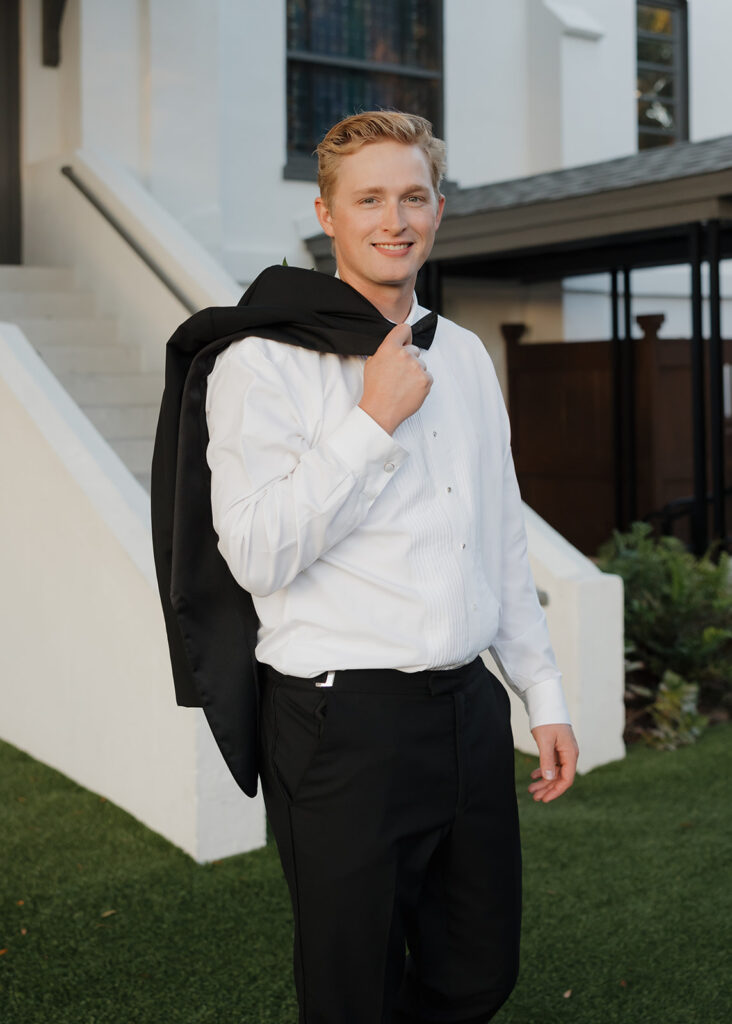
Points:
(678, 629)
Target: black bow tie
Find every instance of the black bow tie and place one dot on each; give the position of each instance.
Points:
(424, 330)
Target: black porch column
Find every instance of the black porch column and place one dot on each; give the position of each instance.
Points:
(716, 397)
(699, 531)
(628, 386)
(617, 392)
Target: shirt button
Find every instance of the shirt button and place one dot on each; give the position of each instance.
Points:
(462, 545)
(434, 433)
(389, 467)
(475, 607)
(448, 489)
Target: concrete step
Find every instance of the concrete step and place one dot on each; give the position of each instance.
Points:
(15, 305)
(25, 278)
(72, 330)
(135, 453)
(103, 376)
(124, 421)
(114, 388)
(63, 359)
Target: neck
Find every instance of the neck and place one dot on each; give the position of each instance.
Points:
(392, 301)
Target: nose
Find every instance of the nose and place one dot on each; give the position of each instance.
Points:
(393, 219)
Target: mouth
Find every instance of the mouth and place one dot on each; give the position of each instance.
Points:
(392, 247)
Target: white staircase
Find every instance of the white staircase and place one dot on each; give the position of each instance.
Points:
(81, 347)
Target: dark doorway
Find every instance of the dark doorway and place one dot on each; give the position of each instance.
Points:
(10, 225)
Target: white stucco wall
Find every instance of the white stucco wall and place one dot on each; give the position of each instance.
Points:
(535, 85)
(50, 104)
(486, 90)
(85, 678)
(710, 77)
(262, 210)
(114, 75)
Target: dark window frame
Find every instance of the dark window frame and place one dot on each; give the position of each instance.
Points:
(679, 69)
(303, 167)
(11, 226)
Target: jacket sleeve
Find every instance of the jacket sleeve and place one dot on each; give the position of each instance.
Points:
(277, 501)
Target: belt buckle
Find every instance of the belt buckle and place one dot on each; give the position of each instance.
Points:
(328, 681)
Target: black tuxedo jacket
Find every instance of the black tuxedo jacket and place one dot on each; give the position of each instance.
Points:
(210, 620)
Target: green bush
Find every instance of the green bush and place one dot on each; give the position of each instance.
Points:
(678, 630)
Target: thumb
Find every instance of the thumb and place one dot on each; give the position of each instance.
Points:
(547, 758)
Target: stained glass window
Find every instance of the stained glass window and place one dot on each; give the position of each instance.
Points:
(661, 84)
(344, 56)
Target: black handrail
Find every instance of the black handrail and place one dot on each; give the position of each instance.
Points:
(132, 242)
(677, 508)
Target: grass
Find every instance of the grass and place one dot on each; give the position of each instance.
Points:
(627, 888)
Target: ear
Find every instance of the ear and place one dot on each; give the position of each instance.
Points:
(440, 208)
(323, 214)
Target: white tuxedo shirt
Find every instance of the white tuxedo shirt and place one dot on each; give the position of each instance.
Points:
(365, 550)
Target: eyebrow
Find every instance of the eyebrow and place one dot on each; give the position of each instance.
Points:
(378, 191)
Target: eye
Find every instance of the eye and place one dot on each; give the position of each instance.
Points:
(368, 200)
(415, 199)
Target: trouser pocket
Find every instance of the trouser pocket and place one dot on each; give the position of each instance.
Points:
(300, 717)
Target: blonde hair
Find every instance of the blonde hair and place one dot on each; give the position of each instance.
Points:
(350, 134)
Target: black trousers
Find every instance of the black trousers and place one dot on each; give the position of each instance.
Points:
(392, 800)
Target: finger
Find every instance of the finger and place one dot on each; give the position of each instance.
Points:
(399, 335)
(553, 791)
(568, 762)
(545, 790)
(540, 786)
(541, 789)
(547, 758)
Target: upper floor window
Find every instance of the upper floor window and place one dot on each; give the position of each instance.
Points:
(662, 73)
(352, 55)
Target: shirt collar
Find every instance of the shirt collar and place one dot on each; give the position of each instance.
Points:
(414, 309)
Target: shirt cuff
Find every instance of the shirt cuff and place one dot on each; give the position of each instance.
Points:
(545, 704)
(370, 453)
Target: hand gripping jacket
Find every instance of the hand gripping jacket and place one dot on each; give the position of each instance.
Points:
(210, 620)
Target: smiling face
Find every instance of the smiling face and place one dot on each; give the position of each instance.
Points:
(382, 218)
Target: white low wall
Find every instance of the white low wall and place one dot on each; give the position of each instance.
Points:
(85, 681)
(585, 618)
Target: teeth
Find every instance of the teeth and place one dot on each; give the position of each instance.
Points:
(387, 245)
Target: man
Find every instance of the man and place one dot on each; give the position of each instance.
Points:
(370, 507)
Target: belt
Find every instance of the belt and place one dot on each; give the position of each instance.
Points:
(378, 680)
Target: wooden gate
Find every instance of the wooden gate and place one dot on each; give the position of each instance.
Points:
(564, 429)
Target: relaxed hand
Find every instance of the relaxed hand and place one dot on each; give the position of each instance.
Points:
(558, 752)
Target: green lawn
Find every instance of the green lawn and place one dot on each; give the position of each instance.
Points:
(628, 905)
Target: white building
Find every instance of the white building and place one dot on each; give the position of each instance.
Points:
(188, 122)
